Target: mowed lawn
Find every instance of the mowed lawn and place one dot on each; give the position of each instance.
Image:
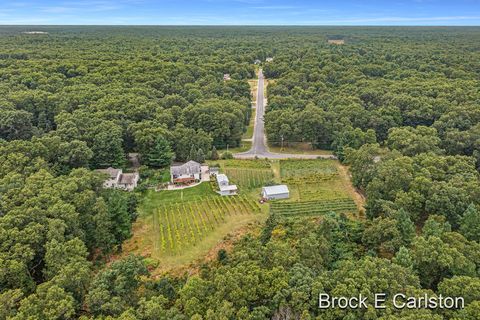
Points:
(178, 227)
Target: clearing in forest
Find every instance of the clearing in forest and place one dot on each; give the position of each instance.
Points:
(316, 187)
(178, 227)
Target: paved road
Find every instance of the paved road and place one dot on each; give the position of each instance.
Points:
(259, 144)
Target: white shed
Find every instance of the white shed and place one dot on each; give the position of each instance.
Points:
(276, 192)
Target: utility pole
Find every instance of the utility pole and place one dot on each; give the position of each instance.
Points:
(282, 143)
(227, 147)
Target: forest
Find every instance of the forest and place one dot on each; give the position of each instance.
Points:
(399, 106)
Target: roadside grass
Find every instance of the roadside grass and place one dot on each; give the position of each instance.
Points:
(244, 146)
(249, 133)
(177, 227)
(253, 90)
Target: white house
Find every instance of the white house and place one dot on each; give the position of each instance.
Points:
(226, 189)
(269, 59)
(276, 192)
(116, 179)
(226, 77)
(186, 173)
(128, 181)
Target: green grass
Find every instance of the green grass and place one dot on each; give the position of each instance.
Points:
(154, 199)
(244, 146)
(249, 133)
(305, 168)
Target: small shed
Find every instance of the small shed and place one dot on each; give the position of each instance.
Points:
(224, 186)
(222, 180)
(276, 192)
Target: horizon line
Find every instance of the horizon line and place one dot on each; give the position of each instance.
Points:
(240, 25)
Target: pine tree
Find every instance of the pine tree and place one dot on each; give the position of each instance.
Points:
(403, 258)
(193, 153)
(200, 158)
(470, 225)
(214, 155)
(161, 154)
(405, 226)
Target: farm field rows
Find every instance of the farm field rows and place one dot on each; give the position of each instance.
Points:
(313, 208)
(249, 178)
(178, 226)
(247, 174)
(316, 187)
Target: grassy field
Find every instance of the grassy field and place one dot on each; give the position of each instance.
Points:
(178, 227)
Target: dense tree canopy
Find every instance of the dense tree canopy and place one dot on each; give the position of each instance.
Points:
(400, 106)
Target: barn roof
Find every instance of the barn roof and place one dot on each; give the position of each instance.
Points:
(221, 178)
(272, 190)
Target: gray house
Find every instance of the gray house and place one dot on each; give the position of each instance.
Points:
(186, 173)
(275, 192)
(116, 179)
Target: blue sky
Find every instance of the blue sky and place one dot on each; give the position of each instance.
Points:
(241, 12)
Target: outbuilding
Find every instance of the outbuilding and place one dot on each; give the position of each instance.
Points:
(275, 192)
(224, 186)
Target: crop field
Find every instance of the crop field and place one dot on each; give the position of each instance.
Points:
(247, 178)
(295, 168)
(178, 226)
(316, 187)
(247, 174)
(313, 208)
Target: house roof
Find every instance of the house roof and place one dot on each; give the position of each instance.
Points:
(111, 172)
(128, 178)
(221, 178)
(280, 189)
(231, 187)
(189, 168)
